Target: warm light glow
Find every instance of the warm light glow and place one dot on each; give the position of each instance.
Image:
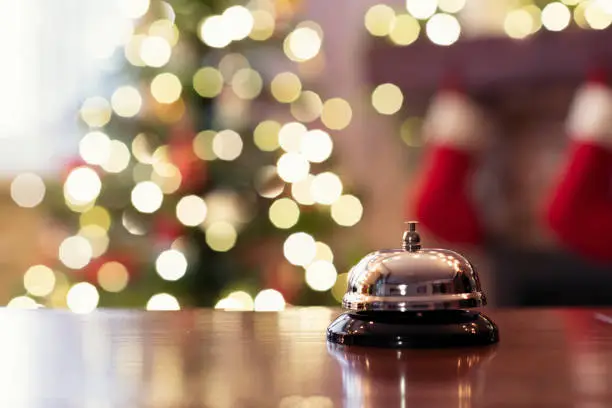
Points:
(284, 213)
(290, 136)
(421, 9)
(379, 20)
(347, 210)
(321, 275)
(405, 30)
(266, 135)
(596, 16)
(267, 183)
(39, 280)
(263, 25)
(97, 238)
(215, 32)
(28, 190)
(203, 145)
(232, 63)
(94, 147)
(292, 167)
(133, 8)
(336, 113)
(96, 216)
(323, 252)
(326, 188)
(82, 185)
(286, 87)
(171, 265)
(236, 301)
(163, 302)
(410, 132)
(119, 157)
(191, 210)
(302, 44)
(247, 83)
(443, 29)
(300, 249)
(316, 146)
(155, 51)
(166, 29)
(221, 236)
(606, 5)
(387, 99)
(75, 252)
(141, 149)
(556, 16)
(132, 50)
(451, 6)
(208, 82)
(82, 298)
(147, 197)
(96, 111)
(166, 88)
(113, 277)
(300, 191)
(167, 176)
(224, 205)
(239, 21)
(307, 107)
(132, 223)
(22, 302)
(518, 24)
(227, 145)
(269, 300)
(126, 101)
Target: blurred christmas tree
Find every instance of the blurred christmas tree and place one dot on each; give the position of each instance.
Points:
(204, 173)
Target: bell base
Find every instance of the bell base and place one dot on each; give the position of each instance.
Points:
(427, 329)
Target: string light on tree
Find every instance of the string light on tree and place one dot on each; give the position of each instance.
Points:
(321, 275)
(421, 9)
(316, 146)
(96, 111)
(443, 29)
(556, 16)
(75, 252)
(147, 197)
(171, 265)
(227, 145)
(302, 44)
(191, 210)
(39, 280)
(387, 99)
(301, 191)
(269, 300)
(155, 51)
(266, 135)
(284, 213)
(166, 88)
(221, 236)
(405, 30)
(236, 301)
(326, 188)
(126, 101)
(286, 87)
(82, 298)
(82, 185)
(347, 210)
(208, 82)
(113, 277)
(240, 22)
(299, 248)
(379, 20)
(336, 113)
(292, 167)
(163, 302)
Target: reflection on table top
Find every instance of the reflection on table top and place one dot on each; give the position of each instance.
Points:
(546, 358)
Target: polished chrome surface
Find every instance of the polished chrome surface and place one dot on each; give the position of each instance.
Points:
(413, 278)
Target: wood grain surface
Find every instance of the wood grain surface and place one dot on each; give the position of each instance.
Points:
(201, 358)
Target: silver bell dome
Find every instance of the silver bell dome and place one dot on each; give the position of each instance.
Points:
(413, 279)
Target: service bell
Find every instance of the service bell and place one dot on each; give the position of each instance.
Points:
(413, 297)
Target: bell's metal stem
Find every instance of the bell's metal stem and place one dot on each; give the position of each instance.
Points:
(412, 240)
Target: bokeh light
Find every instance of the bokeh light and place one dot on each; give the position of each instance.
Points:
(290, 136)
(147, 197)
(263, 25)
(405, 30)
(387, 99)
(166, 29)
(221, 236)
(269, 300)
(28, 190)
(94, 147)
(133, 8)
(284, 213)
(339, 288)
(379, 20)
(171, 265)
(292, 167)
(22, 302)
(266, 135)
(323, 252)
(596, 16)
(208, 82)
(82, 298)
(316, 146)
(126, 101)
(191, 210)
(421, 9)
(118, 159)
(75, 252)
(443, 29)
(163, 302)
(232, 63)
(307, 107)
(286, 87)
(556, 16)
(113, 277)
(236, 301)
(300, 191)
(321, 275)
(96, 111)
(518, 24)
(167, 176)
(97, 238)
(240, 22)
(39, 280)
(203, 145)
(132, 50)
(227, 145)
(326, 188)
(82, 185)
(336, 113)
(299, 248)
(247, 83)
(96, 216)
(214, 32)
(451, 6)
(302, 44)
(267, 183)
(347, 210)
(155, 51)
(166, 88)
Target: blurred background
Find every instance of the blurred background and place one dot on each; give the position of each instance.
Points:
(244, 155)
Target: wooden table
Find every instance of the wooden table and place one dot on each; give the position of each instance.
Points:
(546, 358)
